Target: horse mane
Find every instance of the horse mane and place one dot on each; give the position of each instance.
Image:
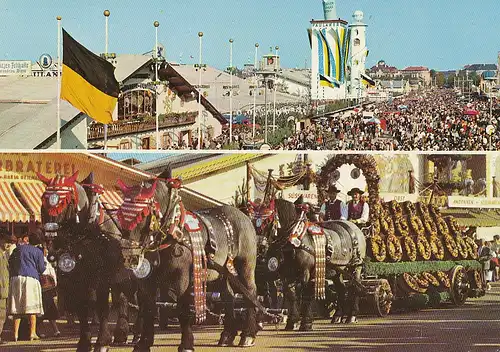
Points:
(286, 212)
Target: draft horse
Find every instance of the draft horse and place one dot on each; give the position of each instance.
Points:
(179, 251)
(312, 253)
(89, 259)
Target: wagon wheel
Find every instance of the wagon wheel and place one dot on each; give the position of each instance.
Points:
(459, 285)
(379, 296)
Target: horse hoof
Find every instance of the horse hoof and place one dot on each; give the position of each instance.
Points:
(351, 320)
(290, 326)
(305, 327)
(247, 341)
(337, 320)
(260, 326)
(226, 339)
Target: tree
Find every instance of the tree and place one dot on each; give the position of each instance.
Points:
(440, 79)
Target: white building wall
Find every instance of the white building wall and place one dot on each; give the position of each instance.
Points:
(358, 54)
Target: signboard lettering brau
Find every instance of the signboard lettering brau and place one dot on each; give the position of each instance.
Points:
(22, 167)
(473, 202)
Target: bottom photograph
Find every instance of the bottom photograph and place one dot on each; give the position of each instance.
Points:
(314, 251)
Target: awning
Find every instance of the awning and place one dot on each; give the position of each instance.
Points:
(195, 201)
(11, 209)
(31, 194)
(474, 217)
(112, 199)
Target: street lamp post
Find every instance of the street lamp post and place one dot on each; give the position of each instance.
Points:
(255, 91)
(265, 104)
(274, 86)
(106, 14)
(200, 35)
(155, 56)
(231, 91)
(58, 142)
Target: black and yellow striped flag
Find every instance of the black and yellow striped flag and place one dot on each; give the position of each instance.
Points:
(88, 81)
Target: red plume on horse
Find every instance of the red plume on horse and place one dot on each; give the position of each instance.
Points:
(59, 192)
(136, 204)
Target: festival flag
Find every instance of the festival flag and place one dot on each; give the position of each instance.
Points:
(367, 80)
(88, 81)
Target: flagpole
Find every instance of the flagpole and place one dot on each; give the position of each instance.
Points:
(275, 80)
(255, 92)
(156, 24)
(200, 35)
(106, 16)
(58, 143)
(231, 91)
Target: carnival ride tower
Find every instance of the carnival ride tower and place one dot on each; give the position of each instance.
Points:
(358, 54)
(329, 40)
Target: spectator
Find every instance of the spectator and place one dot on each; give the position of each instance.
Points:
(4, 281)
(26, 264)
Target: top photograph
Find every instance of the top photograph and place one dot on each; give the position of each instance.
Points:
(251, 75)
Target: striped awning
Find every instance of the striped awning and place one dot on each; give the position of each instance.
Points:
(32, 191)
(31, 194)
(11, 209)
(112, 199)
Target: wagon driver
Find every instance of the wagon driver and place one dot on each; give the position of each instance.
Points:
(358, 209)
(333, 208)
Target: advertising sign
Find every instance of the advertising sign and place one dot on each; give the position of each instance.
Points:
(15, 68)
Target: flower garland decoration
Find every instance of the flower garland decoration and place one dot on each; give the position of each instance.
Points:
(463, 250)
(376, 225)
(424, 248)
(416, 225)
(451, 246)
(452, 224)
(442, 226)
(421, 281)
(394, 248)
(377, 246)
(366, 163)
(437, 247)
(386, 222)
(472, 247)
(412, 283)
(430, 278)
(443, 279)
(401, 226)
(410, 248)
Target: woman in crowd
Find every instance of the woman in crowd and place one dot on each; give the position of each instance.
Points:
(26, 264)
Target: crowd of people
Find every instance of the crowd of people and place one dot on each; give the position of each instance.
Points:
(28, 286)
(430, 120)
(488, 252)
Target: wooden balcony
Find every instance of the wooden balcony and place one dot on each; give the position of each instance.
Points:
(96, 131)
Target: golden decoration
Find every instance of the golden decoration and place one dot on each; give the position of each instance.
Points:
(437, 247)
(410, 248)
(394, 248)
(424, 248)
(443, 279)
(451, 246)
(378, 248)
(430, 278)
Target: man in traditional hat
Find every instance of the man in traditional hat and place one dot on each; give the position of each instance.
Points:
(358, 210)
(333, 208)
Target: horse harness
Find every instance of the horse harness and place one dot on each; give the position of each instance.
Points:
(322, 251)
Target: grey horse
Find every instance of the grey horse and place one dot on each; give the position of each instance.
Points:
(89, 259)
(345, 252)
(169, 237)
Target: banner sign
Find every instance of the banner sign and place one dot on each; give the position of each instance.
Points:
(15, 67)
(473, 202)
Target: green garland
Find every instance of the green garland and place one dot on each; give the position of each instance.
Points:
(373, 268)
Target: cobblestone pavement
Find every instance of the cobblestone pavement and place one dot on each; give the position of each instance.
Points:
(473, 327)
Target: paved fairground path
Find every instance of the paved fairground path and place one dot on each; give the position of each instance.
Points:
(474, 326)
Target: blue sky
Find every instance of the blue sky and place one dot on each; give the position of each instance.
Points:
(444, 34)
